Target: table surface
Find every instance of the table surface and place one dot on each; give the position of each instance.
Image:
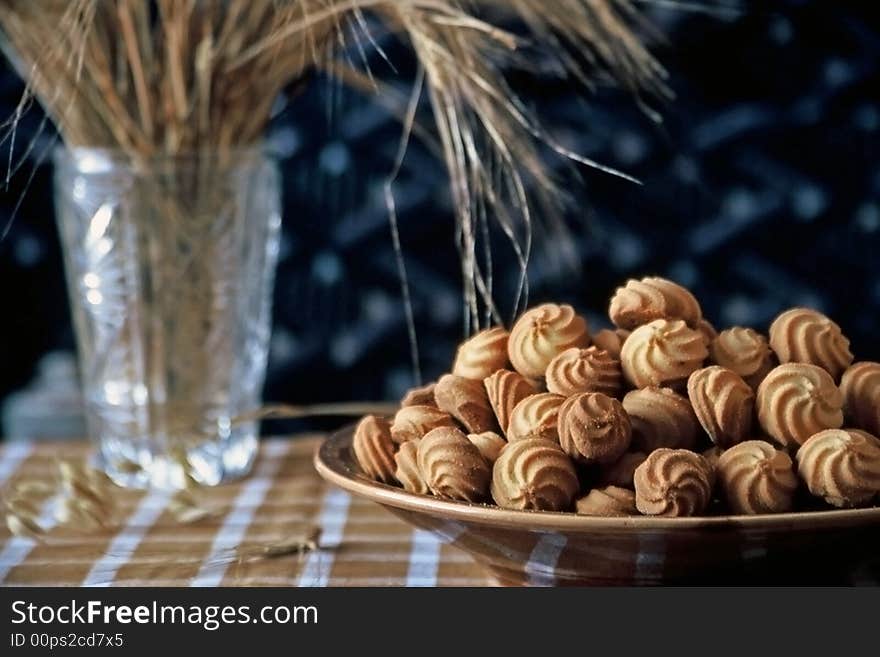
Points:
(284, 499)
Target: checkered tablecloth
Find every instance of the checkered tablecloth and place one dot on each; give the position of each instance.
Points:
(361, 544)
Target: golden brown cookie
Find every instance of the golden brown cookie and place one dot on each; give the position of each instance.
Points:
(795, 401)
(661, 417)
(608, 502)
(620, 473)
(465, 400)
(802, 335)
(723, 402)
(642, 301)
(543, 332)
(662, 353)
(841, 466)
(594, 428)
(860, 387)
(421, 396)
(534, 474)
(407, 472)
(489, 443)
(535, 417)
(708, 331)
(505, 389)
(482, 354)
(712, 455)
(374, 449)
(744, 351)
(584, 370)
(411, 422)
(611, 341)
(754, 477)
(452, 466)
(673, 482)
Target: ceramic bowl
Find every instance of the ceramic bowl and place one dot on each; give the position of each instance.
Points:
(541, 548)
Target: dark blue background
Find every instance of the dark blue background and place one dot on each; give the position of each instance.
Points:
(761, 191)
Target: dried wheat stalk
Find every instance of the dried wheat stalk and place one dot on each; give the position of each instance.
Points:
(83, 500)
(81, 495)
(182, 76)
(299, 546)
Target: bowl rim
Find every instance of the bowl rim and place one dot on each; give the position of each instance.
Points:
(334, 463)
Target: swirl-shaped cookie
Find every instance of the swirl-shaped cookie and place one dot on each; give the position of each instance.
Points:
(452, 466)
(673, 482)
(482, 354)
(594, 428)
(860, 386)
(745, 352)
(535, 417)
(584, 370)
(841, 466)
(640, 302)
(421, 396)
(620, 473)
(534, 474)
(543, 332)
(802, 335)
(489, 443)
(611, 341)
(704, 326)
(796, 400)
(465, 400)
(506, 389)
(754, 477)
(411, 422)
(723, 402)
(407, 472)
(661, 417)
(712, 455)
(664, 352)
(374, 449)
(608, 502)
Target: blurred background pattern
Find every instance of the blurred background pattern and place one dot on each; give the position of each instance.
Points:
(761, 191)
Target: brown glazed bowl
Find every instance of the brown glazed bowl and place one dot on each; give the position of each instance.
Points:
(541, 548)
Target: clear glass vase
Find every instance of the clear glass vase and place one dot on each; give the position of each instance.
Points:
(170, 266)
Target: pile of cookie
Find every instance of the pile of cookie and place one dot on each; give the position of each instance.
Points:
(661, 415)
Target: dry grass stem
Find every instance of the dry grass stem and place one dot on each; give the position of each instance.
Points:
(188, 507)
(86, 497)
(284, 548)
(172, 77)
(23, 526)
(22, 504)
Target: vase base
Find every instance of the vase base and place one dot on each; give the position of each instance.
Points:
(208, 464)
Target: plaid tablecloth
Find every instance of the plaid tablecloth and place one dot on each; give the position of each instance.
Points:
(284, 499)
